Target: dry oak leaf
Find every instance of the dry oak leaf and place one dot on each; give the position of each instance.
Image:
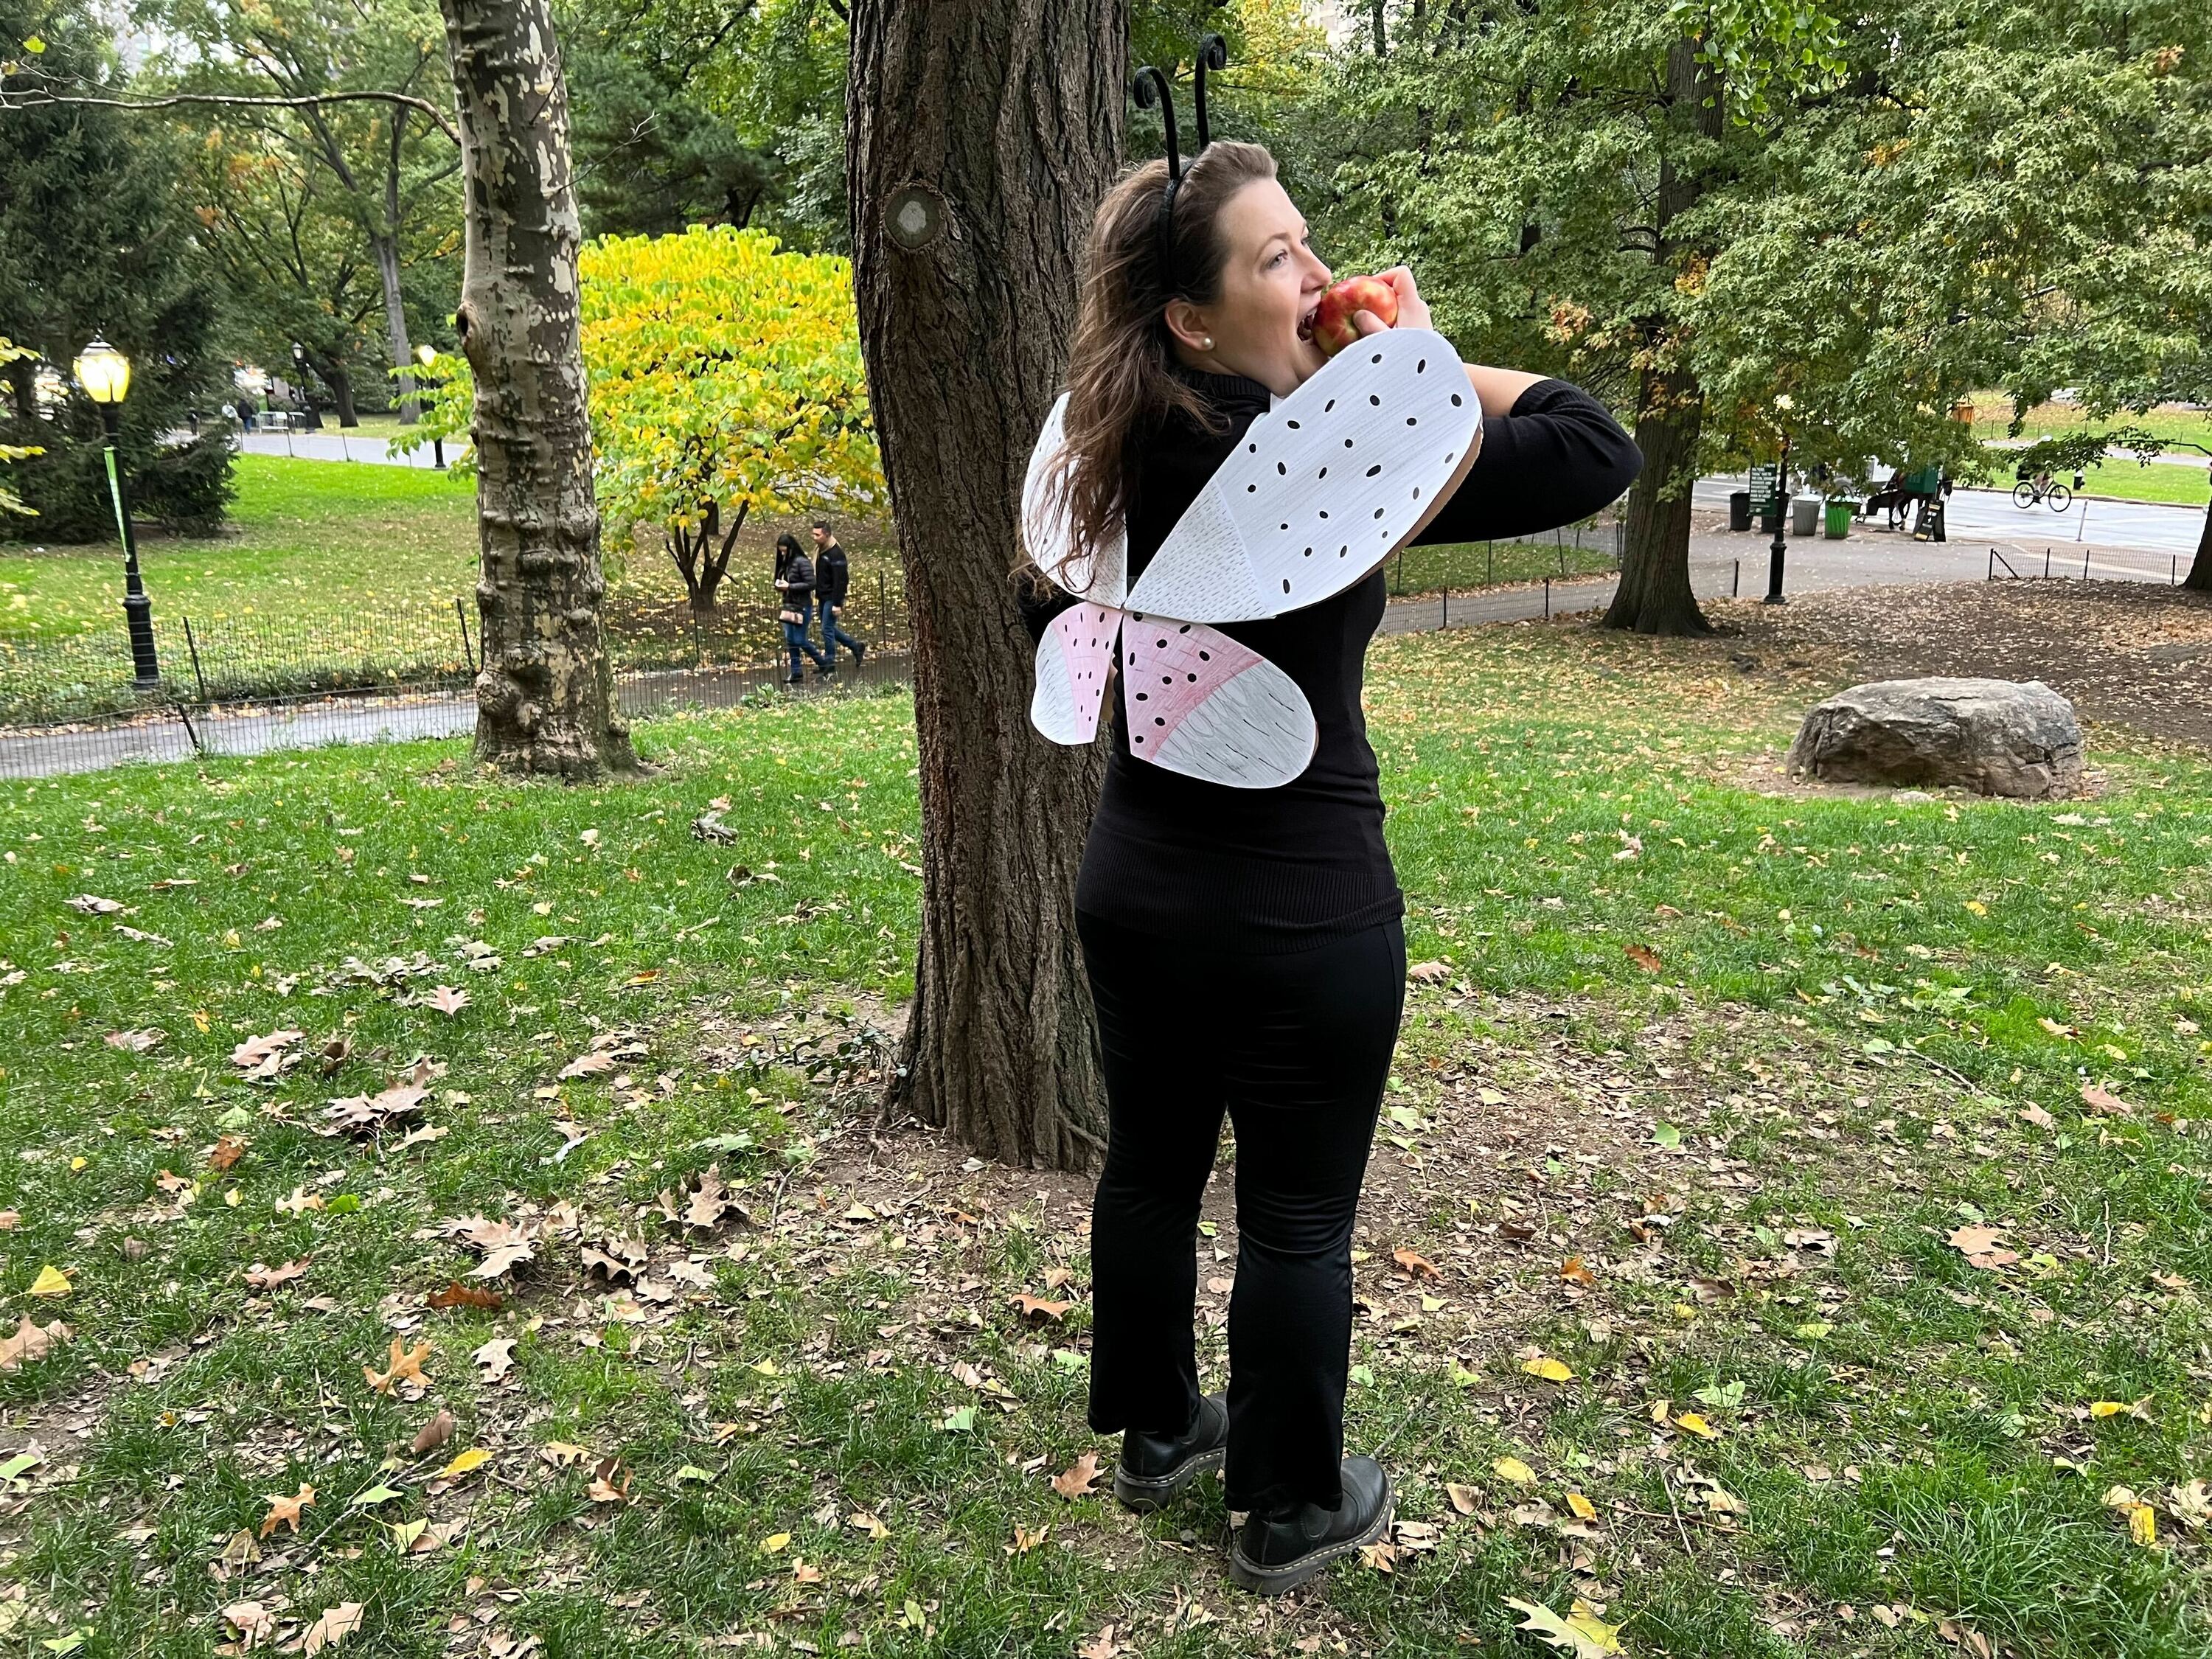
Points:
(861, 1520)
(29, 1342)
(447, 999)
(2097, 1099)
(334, 1627)
(136, 1041)
(504, 1243)
(255, 1053)
(587, 1065)
(265, 1277)
(1076, 1482)
(1574, 1272)
(1980, 1248)
(93, 905)
(369, 1113)
(1429, 973)
(1643, 955)
(458, 1295)
(1101, 1646)
(254, 1624)
(432, 1435)
(1038, 1310)
(1414, 1265)
(616, 1258)
(2039, 1117)
(286, 1510)
(609, 1482)
(495, 1358)
(226, 1152)
(1464, 1498)
(406, 1367)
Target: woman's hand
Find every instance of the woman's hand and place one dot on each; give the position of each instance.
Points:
(1412, 309)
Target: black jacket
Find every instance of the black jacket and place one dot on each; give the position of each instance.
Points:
(797, 576)
(1283, 868)
(833, 577)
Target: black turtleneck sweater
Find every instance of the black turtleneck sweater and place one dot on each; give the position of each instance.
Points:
(1281, 869)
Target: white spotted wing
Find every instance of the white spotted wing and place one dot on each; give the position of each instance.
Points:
(1045, 529)
(1324, 486)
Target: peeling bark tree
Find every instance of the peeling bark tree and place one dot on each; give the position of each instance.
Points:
(1654, 595)
(545, 698)
(980, 139)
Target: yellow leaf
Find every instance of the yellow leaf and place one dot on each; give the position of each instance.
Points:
(474, 1458)
(1551, 1369)
(1583, 1509)
(1697, 1424)
(2142, 1525)
(51, 1281)
(1582, 1634)
(774, 1541)
(766, 1368)
(1977, 907)
(1513, 1469)
(2105, 1408)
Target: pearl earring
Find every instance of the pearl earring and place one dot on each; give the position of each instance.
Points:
(1209, 343)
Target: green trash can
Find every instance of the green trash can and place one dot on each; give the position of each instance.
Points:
(1838, 519)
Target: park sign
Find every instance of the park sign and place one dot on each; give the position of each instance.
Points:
(1764, 479)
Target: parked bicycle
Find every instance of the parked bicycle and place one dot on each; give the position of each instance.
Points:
(2042, 488)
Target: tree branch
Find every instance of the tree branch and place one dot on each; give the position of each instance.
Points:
(14, 101)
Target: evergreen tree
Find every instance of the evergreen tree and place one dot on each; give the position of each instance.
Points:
(92, 242)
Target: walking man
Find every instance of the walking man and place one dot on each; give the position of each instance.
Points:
(833, 577)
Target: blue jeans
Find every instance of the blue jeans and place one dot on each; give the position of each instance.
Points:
(833, 637)
(794, 637)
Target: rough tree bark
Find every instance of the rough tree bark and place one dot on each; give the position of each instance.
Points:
(2200, 572)
(1655, 595)
(983, 135)
(545, 698)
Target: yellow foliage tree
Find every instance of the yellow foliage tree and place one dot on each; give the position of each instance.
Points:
(725, 378)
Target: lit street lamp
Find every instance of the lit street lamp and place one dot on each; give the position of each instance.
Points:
(105, 374)
(426, 354)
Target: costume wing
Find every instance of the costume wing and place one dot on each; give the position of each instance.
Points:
(1073, 661)
(1196, 701)
(1326, 485)
(1045, 528)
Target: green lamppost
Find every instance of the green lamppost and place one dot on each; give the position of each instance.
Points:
(105, 374)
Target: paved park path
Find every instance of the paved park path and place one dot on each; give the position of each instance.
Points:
(1721, 564)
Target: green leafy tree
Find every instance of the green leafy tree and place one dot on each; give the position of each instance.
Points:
(359, 77)
(1750, 221)
(91, 241)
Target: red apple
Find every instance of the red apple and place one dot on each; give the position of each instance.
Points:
(1331, 325)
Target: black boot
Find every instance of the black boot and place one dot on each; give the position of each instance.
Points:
(858, 652)
(1274, 1554)
(1154, 1467)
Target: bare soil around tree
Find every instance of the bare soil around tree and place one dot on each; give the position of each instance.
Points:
(2125, 654)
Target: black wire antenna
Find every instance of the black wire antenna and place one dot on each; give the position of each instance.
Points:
(1151, 86)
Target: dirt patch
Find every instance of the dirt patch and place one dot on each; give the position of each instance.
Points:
(2126, 652)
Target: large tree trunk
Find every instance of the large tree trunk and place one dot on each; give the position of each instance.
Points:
(545, 698)
(2199, 572)
(395, 327)
(1007, 116)
(339, 378)
(1655, 595)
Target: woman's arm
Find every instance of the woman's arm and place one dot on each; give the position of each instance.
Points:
(1554, 455)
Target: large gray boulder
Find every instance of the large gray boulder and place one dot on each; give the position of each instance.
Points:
(1999, 736)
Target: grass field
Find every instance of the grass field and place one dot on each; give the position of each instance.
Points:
(1801, 1203)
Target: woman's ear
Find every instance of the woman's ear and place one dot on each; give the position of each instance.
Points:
(1186, 323)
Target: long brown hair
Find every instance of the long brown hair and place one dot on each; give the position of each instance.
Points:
(1121, 365)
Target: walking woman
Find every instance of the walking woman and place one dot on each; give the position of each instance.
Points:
(794, 588)
(1245, 946)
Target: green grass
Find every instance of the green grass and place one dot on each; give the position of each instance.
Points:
(1847, 1018)
(290, 600)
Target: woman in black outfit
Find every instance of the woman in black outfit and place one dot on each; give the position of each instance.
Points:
(1245, 947)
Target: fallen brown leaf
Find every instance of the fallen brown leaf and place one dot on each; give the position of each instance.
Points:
(432, 1435)
(1077, 1482)
(406, 1367)
(286, 1510)
(29, 1342)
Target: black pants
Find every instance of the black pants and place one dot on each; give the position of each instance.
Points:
(1296, 1048)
